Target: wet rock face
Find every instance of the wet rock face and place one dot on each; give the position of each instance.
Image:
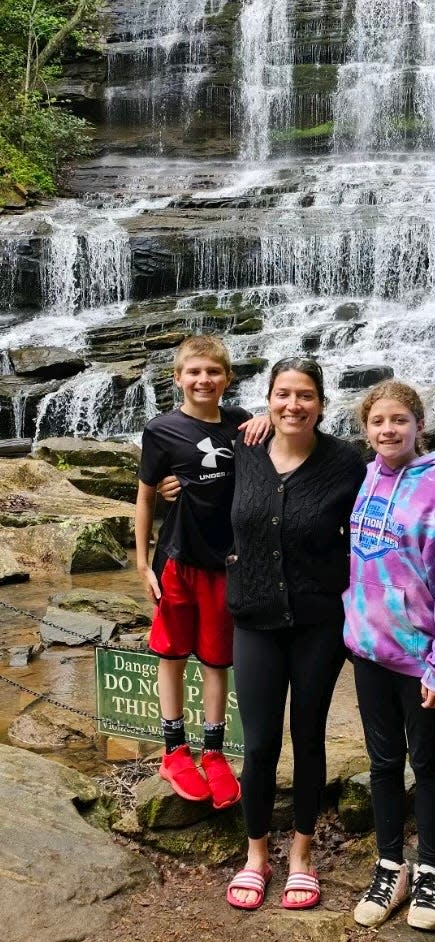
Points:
(356, 377)
(161, 58)
(45, 362)
(19, 404)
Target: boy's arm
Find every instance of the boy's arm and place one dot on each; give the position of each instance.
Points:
(145, 503)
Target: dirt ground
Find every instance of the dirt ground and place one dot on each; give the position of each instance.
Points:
(189, 904)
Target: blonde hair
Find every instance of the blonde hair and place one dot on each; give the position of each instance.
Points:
(203, 346)
(391, 389)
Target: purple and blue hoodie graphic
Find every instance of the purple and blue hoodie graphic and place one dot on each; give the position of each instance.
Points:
(390, 603)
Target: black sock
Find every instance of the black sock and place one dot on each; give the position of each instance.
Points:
(213, 736)
(173, 732)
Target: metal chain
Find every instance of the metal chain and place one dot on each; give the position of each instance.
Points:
(68, 631)
(47, 696)
(115, 726)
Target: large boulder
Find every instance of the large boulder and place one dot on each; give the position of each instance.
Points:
(44, 727)
(45, 362)
(61, 878)
(10, 569)
(105, 469)
(121, 609)
(61, 627)
(360, 377)
(48, 523)
(88, 452)
(355, 803)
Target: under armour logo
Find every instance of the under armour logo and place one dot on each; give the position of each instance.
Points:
(209, 460)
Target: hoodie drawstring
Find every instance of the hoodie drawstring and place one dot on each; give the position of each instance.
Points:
(387, 509)
(369, 497)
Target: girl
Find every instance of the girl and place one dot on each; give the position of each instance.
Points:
(391, 631)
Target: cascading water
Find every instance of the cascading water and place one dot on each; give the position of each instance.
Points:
(83, 406)
(267, 67)
(139, 406)
(386, 92)
(158, 68)
(331, 255)
(388, 260)
(85, 268)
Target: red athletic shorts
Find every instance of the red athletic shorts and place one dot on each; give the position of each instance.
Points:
(192, 616)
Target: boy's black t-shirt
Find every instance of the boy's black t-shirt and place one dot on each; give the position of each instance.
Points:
(197, 529)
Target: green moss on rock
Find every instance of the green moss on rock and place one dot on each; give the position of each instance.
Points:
(96, 548)
(219, 839)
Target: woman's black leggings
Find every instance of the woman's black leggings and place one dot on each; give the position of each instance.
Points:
(394, 723)
(310, 658)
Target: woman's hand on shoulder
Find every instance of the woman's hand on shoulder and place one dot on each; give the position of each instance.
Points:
(169, 488)
(256, 429)
(428, 698)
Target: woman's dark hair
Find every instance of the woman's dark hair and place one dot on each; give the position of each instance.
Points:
(310, 367)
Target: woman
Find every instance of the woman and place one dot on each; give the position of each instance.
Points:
(293, 498)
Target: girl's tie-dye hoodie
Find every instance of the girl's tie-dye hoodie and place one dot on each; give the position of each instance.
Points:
(390, 607)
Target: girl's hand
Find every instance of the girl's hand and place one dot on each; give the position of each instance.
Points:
(428, 697)
(169, 487)
(256, 429)
(152, 588)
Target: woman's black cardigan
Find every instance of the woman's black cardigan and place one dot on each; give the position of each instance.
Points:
(290, 562)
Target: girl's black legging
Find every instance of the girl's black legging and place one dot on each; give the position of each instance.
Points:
(310, 658)
(394, 723)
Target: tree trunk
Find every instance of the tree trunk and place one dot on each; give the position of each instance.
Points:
(56, 41)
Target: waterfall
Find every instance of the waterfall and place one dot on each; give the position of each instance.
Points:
(85, 268)
(83, 406)
(5, 364)
(19, 412)
(390, 260)
(161, 65)
(8, 271)
(267, 68)
(319, 252)
(386, 91)
(139, 405)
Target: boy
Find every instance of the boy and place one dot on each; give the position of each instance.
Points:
(187, 582)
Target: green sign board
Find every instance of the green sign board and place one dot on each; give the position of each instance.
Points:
(128, 700)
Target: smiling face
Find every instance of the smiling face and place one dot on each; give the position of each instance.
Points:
(202, 381)
(294, 404)
(391, 430)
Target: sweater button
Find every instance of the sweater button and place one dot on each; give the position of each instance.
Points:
(275, 521)
(276, 554)
(280, 488)
(281, 586)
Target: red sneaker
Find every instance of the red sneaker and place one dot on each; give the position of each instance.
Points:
(224, 787)
(179, 769)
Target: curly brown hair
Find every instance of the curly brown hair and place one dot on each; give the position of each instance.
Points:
(392, 389)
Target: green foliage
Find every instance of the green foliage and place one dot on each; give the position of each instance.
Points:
(15, 167)
(37, 137)
(300, 134)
